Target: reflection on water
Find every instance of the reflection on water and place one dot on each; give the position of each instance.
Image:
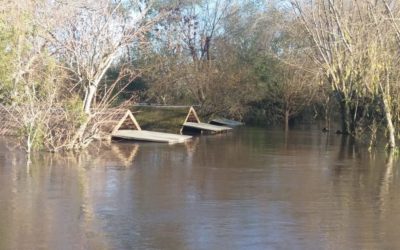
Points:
(251, 189)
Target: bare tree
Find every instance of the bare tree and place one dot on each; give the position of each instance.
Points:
(57, 48)
(92, 35)
(352, 44)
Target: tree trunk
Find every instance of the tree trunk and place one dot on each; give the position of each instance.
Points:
(287, 115)
(327, 115)
(76, 141)
(389, 122)
(327, 121)
(91, 91)
(345, 116)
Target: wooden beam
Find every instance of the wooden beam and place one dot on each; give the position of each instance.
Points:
(134, 120)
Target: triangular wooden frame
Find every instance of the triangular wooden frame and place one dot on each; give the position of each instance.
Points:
(128, 115)
(192, 114)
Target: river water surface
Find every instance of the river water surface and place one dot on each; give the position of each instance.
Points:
(250, 189)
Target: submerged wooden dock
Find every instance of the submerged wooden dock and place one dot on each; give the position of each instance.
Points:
(192, 124)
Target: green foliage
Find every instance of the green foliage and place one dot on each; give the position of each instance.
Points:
(36, 133)
(7, 56)
(74, 111)
(160, 119)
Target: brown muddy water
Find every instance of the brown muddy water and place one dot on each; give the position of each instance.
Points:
(251, 189)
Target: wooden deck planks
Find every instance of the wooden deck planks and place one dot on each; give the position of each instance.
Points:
(206, 127)
(143, 135)
(225, 122)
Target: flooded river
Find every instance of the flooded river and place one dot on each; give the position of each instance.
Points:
(251, 189)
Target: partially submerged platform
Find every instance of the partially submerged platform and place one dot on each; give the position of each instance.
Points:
(192, 124)
(150, 136)
(206, 127)
(226, 122)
